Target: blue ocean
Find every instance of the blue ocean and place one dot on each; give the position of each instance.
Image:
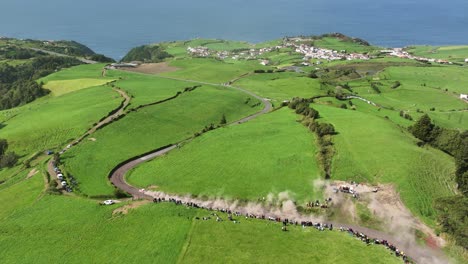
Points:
(112, 27)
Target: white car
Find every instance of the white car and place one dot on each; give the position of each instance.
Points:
(60, 176)
(108, 202)
(64, 183)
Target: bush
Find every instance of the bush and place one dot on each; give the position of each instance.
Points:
(396, 84)
(452, 217)
(323, 129)
(423, 128)
(343, 106)
(8, 160)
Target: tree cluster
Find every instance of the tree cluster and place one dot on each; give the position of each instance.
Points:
(18, 84)
(17, 53)
(406, 115)
(324, 131)
(7, 159)
(154, 53)
(101, 58)
(453, 210)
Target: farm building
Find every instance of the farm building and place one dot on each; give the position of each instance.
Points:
(464, 96)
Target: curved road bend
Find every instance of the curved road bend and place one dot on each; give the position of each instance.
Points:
(412, 249)
(108, 119)
(118, 177)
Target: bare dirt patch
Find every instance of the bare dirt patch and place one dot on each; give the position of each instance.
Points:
(32, 173)
(124, 209)
(385, 204)
(153, 68)
(91, 139)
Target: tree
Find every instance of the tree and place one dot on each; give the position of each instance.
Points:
(323, 129)
(8, 160)
(3, 146)
(423, 128)
(223, 120)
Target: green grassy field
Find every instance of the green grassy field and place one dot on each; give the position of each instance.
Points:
(271, 154)
(372, 149)
(253, 241)
(20, 196)
(211, 70)
(281, 86)
(146, 88)
(88, 71)
(51, 122)
(58, 88)
(59, 229)
(151, 128)
(451, 53)
(421, 88)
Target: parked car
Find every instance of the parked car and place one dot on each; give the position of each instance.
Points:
(64, 183)
(60, 176)
(68, 189)
(108, 202)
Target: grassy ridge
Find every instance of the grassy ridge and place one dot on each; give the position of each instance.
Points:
(271, 154)
(151, 128)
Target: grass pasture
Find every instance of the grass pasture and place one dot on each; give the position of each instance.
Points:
(271, 154)
(254, 241)
(50, 122)
(84, 71)
(164, 233)
(372, 149)
(421, 88)
(68, 226)
(451, 53)
(58, 88)
(20, 196)
(145, 88)
(211, 70)
(281, 86)
(150, 128)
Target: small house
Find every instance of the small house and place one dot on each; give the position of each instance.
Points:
(464, 97)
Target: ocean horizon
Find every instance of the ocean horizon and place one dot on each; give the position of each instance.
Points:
(114, 27)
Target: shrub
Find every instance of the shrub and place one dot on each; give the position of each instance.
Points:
(323, 129)
(8, 160)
